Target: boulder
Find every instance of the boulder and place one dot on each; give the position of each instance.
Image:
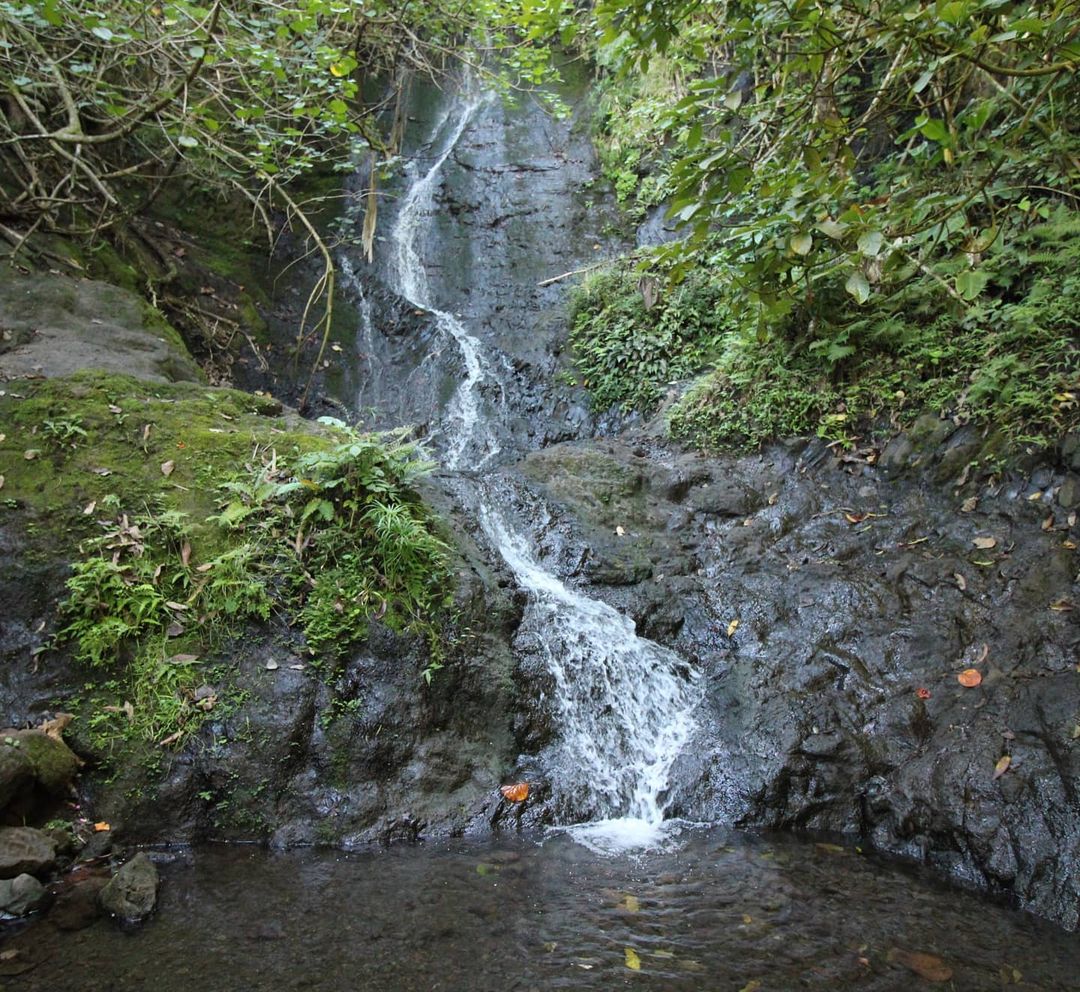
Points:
(21, 895)
(16, 772)
(131, 893)
(23, 849)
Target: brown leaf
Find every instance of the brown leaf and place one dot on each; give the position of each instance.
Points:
(171, 739)
(961, 582)
(969, 678)
(172, 605)
(927, 966)
(1061, 606)
(516, 793)
(985, 543)
(167, 468)
(174, 629)
(1002, 766)
(185, 553)
(968, 506)
(101, 827)
(1048, 523)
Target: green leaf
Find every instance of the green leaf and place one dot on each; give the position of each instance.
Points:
(870, 243)
(802, 243)
(102, 32)
(832, 229)
(857, 286)
(971, 282)
(935, 130)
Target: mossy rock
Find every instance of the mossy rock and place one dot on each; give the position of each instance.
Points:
(53, 764)
(55, 325)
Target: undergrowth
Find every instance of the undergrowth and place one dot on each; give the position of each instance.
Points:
(1009, 359)
(195, 513)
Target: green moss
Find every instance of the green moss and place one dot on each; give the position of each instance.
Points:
(189, 513)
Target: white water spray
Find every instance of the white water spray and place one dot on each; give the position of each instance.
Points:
(624, 704)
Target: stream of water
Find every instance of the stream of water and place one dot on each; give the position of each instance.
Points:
(624, 704)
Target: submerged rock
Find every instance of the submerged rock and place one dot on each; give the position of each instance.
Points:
(131, 894)
(21, 895)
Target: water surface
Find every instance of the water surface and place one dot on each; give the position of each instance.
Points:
(719, 912)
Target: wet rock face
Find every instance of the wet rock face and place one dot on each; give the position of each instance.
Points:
(834, 704)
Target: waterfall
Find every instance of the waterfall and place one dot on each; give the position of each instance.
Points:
(624, 704)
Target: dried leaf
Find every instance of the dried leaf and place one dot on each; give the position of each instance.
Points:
(174, 629)
(183, 659)
(969, 678)
(89, 508)
(1067, 545)
(1061, 606)
(968, 506)
(1048, 523)
(171, 739)
(101, 827)
(113, 408)
(173, 605)
(167, 468)
(1002, 766)
(732, 627)
(985, 543)
(205, 567)
(30, 454)
(185, 553)
(854, 518)
(633, 962)
(927, 966)
(619, 530)
(1035, 497)
(631, 904)
(961, 582)
(516, 793)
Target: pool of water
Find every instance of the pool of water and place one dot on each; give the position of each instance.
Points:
(717, 912)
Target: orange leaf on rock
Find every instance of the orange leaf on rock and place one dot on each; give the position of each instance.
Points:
(969, 678)
(102, 827)
(516, 793)
(927, 966)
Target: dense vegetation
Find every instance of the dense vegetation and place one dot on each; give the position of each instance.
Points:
(878, 203)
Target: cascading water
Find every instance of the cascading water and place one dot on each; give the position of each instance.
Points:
(624, 704)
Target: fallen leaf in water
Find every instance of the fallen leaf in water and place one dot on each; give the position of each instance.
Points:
(633, 962)
(927, 966)
(732, 627)
(969, 504)
(969, 678)
(1048, 523)
(550, 945)
(1002, 766)
(831, 848)
(516, 793)
(630, 903)
(1061, 606)
(666, 955)
(961, 582)
(167, 468)
(102, 827)
(985, 543)
(922, 693)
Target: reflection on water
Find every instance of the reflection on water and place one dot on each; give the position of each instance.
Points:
(722, 912)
